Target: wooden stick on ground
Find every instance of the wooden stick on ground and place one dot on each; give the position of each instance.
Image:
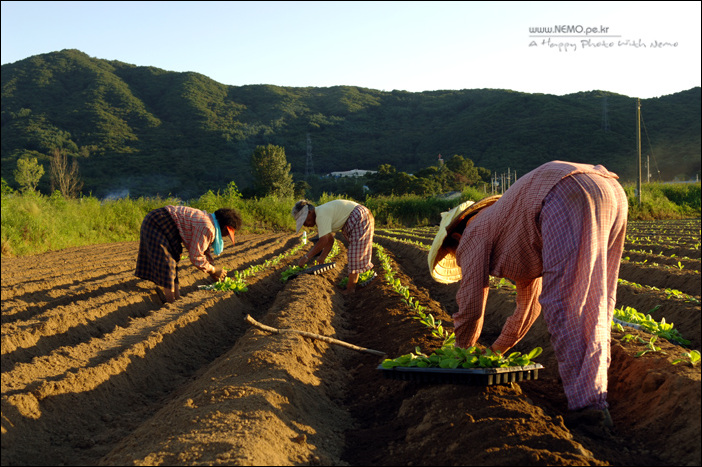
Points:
(329, 340)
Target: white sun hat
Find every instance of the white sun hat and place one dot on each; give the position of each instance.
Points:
(299, 212)
(442, 256)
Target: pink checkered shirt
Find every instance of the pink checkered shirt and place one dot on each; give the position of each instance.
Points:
(198, 232)
(504, 240)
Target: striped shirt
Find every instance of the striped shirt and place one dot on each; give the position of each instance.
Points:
(504, 240)
(198, 232)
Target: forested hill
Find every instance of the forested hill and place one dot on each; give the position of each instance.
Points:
(158, 132)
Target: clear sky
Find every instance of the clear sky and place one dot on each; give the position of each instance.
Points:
(534, 47)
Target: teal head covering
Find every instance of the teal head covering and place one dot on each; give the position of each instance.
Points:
(218, 243)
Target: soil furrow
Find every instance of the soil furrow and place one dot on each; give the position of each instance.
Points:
(118, 378)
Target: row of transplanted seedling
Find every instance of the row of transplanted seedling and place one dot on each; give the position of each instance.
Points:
(448, 355)
(408, 241)
(237, 282)
(669, 293)
(679, 265)
(662, 234)
(629, 316)
(661, 257)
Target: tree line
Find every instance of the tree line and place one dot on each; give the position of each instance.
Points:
(273, 177)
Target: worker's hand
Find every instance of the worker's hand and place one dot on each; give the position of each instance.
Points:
(218, 274)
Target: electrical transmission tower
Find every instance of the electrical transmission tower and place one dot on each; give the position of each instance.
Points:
(605, 116)
(309, 167)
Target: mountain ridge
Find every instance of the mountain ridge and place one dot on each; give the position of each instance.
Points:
(152, 131)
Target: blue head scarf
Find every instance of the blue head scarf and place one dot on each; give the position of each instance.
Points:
(218, 243)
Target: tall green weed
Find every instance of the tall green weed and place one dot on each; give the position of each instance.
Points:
(34, 223)
(664, 201)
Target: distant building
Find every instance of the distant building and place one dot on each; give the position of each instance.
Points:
(353, 173)
(450, 195)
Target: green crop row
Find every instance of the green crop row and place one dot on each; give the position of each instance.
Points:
(653, 264)
(407, 241)
(427, 319)
(669, 293)
(629, 315)
(238, 283)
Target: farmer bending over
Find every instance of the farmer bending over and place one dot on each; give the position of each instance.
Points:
(356, 223)
(165, 230)
(558, 232)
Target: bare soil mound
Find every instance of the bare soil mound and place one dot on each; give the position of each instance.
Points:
(97, 370)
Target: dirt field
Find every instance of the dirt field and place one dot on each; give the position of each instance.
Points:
(96, 370)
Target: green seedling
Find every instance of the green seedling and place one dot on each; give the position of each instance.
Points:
(660, 329)
(364, 276)
(629, 338)
(291, 271)
(650, 347)
(228, 284)
(693, 356)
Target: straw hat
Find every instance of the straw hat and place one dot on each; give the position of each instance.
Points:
(442, 256)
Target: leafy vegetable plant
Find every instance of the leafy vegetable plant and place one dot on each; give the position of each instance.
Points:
(692, 355)
(661, 329)
(229, 284)
(450, 356)
(291, 271)
(650, 346)
(364, 276)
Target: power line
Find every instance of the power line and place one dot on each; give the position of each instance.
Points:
(605, 114)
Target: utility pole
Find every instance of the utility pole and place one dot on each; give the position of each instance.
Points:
(638, 145)
(509, 178)
(309, 167)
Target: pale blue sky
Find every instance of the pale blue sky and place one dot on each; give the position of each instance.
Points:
(412, 46)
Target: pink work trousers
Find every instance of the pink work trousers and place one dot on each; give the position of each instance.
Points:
(583, 227)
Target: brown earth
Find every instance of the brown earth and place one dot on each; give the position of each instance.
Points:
(97, 370)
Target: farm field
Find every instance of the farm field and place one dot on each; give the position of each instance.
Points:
(96, 370)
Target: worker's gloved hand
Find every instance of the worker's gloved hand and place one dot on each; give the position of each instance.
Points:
(218, 274)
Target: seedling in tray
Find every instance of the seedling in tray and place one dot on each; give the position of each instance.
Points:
(290, 272)
(450, 356)
(454, 365)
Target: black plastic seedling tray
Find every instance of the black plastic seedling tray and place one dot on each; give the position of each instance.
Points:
(367, 281)
(318, 269)
(472, 376)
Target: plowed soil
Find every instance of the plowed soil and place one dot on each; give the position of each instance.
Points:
(97, 370)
